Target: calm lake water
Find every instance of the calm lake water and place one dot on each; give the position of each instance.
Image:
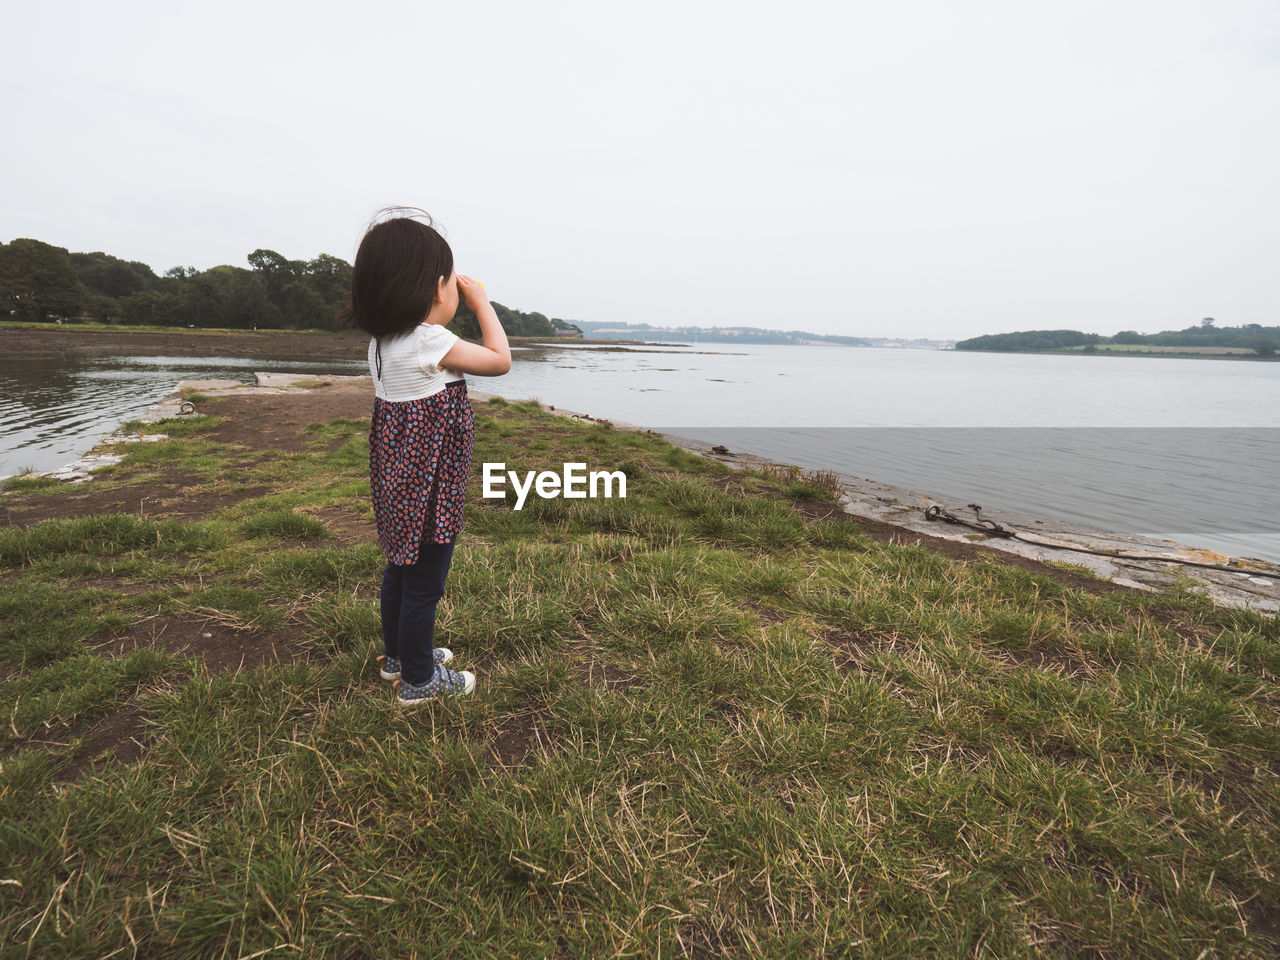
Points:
(1186, 449)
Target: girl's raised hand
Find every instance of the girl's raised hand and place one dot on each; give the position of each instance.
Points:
(471, 292)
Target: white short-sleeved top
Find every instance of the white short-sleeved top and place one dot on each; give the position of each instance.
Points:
(410, 363)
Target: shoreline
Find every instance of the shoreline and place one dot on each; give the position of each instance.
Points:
(1255, 586)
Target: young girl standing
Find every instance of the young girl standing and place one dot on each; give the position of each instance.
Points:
(404, 289)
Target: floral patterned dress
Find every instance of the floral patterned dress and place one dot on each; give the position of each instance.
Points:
(419, 456)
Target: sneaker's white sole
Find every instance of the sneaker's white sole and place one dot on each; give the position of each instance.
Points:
(467, 689)
(448, 655)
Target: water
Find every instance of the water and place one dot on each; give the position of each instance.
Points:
(52, 410)
(792, 386)
(1185, 449)
(1182, 449)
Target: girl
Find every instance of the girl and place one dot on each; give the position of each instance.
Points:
(404, 290)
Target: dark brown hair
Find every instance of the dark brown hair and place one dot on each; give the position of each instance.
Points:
(393, 281)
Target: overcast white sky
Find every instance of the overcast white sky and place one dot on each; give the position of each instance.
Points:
(931, 169)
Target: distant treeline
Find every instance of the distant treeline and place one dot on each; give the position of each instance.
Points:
(1251, 336)
(41, 282)
(717, 334)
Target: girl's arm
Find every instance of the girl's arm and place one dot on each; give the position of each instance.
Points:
(494, 358)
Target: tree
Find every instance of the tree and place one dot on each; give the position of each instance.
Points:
(330, 277)
(267, 261)
(37, 280)
(151, 307)
(537, 325)
(109, 276)
(103, 308)
(465, 324)
(235, 299)
(1206, 323)
(275, 273)
(1030, 340)
(304, 308)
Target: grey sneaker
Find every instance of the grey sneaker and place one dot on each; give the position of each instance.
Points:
(390, 669)
(444, 683)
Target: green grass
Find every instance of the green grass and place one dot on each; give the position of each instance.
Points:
(25, 484)
(705, 726)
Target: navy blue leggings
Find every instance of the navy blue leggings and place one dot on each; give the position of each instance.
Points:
(409, 597)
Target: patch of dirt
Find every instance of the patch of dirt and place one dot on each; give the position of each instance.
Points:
(854, 648)
(246, 462)
(1264, 920)
(112, 584)
(513, 741)
(597, 673)
(276, 421)
(769, 616)
(119, 734)
(222, 649)
(171, 497)
(1184, 623)
(955, 549)
(1061, 752)
(1039, 655)
(349, 528)
(729, 483)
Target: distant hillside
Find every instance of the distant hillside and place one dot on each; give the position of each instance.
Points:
(1251, 336)
(647, 331)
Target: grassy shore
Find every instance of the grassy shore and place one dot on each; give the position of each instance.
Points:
(713, 719)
